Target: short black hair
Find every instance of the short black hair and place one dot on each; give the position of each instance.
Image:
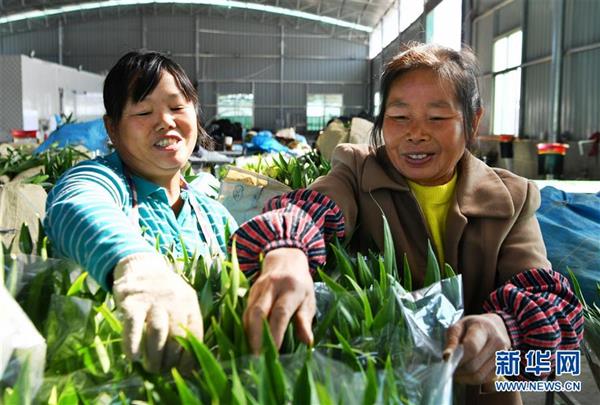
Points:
(136, 75)
(458, 68)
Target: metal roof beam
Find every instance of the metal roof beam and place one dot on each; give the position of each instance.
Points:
(226, 4)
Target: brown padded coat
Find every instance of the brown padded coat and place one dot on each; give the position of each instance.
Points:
(491, 229)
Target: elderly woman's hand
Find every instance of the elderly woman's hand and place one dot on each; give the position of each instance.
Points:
(481, 336)
(283, 289)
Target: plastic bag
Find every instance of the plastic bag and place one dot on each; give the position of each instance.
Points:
(206, 184)
(414, 346)
(412, 339)
(244, 193)
(60, 300)
(22, 352)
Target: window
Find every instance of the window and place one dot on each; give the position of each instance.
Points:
(390, 25)
(376, 103)
(444, 24)
(320, 108)
(237, 108)
(410, 10)
(507, 85)
(375, 42)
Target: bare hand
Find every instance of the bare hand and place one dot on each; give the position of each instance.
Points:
(481, 336)
(283, 289)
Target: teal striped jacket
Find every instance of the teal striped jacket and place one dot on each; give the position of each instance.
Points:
(88, 218)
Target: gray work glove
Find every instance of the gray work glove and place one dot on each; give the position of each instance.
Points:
(156, 304)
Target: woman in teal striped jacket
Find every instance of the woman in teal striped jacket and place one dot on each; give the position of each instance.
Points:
(107, 213)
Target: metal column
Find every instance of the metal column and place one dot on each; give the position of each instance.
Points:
(197, 47)
(144, 39)
(467, 23)
(61, 37)
(525, 31)
(558, 11)
(281, 75)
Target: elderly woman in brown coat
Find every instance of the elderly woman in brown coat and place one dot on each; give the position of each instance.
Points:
(419, 171)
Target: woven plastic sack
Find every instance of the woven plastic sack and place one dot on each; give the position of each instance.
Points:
(360, 131)
(244, 192)
(334, 134)
(20, 203)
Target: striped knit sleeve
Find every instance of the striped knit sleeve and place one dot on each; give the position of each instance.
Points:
(303, 219)
(540, 312)
(86, 221)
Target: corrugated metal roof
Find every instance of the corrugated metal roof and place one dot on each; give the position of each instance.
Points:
(362, 12)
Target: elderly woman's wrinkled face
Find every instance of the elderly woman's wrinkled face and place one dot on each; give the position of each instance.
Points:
(157, 135)
(423, 128)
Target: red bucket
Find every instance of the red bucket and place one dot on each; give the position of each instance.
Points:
(551, 158)
(507, 138)
(22, 134)
(506, 146)
(552, 148)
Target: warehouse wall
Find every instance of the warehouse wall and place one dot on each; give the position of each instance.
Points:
(220, 55)
(43, 82)
(579, 103)
(11, 91)
(31, 90)
(581, 57)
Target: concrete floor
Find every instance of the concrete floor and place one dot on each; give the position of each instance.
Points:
(589, 395)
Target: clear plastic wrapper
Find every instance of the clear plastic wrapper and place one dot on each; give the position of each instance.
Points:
(393, 357)
(22, 352)
(413, 341)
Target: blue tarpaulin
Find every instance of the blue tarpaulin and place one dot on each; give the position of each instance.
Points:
(570, 226)
(265, 142)
(90, 134)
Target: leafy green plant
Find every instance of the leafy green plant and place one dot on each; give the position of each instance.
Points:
(591, 313)
(53, 161)
(296, 172)
(360, 336)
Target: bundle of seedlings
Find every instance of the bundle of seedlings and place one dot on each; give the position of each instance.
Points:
(46, 166)
(295, 172)
(375, 341)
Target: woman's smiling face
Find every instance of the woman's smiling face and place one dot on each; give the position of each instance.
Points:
(423, 128)
(156, 135)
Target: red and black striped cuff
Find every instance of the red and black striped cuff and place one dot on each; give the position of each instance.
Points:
(325, 213)
(540, 312)
(303, 219)
(285, 227)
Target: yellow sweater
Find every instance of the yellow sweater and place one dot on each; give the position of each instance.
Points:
(434, 202)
